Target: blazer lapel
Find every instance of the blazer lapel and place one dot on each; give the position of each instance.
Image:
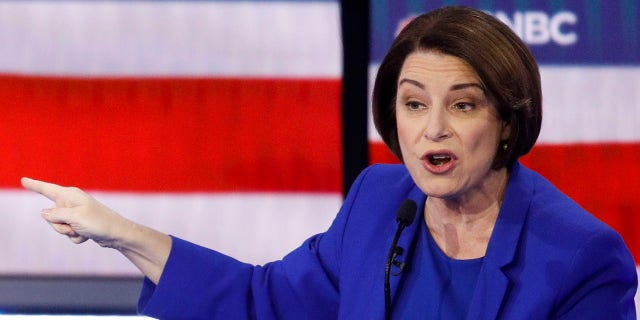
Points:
(493, 284)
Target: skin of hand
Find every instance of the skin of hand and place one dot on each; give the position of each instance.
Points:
(78, 215)
(81, 217)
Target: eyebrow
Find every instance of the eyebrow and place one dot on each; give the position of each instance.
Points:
(411, 81)
(454, 87)
(466, 85)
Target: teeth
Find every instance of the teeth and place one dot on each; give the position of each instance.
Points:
(439, 159)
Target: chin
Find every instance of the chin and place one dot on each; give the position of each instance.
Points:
(442, 192)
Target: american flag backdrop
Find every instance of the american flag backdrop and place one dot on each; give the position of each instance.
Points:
(219, 121)
(215, 121)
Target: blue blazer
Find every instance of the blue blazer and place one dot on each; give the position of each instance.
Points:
(547, 259)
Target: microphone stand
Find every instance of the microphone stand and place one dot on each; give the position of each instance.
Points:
(387, 271)
(404, 217)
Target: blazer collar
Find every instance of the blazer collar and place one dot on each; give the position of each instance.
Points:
(493, 283)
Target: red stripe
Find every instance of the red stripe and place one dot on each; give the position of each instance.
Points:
(379, 153)
(603, 178)
(172, 134)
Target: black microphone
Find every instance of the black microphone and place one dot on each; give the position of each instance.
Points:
(404, 218)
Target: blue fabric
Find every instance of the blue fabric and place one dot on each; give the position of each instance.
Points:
(452, 281)
(547, 259)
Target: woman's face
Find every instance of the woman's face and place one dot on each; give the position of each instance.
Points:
(448, 128)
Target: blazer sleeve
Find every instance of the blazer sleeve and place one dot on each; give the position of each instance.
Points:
(199, 283)
(603, 281)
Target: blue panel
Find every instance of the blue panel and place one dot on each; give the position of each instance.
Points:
(592, 32)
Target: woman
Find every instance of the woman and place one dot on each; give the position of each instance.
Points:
(458, 100)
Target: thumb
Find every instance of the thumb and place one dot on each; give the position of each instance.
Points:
(57, 215)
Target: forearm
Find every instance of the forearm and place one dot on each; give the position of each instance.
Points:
(146, 248)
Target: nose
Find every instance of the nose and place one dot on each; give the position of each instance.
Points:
(437, 125)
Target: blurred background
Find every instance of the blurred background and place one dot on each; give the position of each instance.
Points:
(238, 125)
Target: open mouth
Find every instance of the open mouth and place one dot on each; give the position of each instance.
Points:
(439, 159)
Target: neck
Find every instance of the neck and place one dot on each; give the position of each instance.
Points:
(462, 226)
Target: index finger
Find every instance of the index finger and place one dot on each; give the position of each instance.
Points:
(49, 190)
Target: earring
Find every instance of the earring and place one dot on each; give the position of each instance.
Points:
(505, 146)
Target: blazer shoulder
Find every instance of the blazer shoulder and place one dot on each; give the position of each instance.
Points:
(558, 220)
(387, 170)
(584, 263)
(552, 208)
(380, 188)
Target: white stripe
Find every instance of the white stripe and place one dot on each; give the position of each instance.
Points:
(254, 228)
(190, 38)
(582, 104)
(590, 104)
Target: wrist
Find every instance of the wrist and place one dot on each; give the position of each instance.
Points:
(122, 234)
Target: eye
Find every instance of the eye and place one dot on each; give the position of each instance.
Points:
(463, 106)
(414, 105)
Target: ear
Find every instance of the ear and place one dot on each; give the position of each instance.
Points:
(506, 131)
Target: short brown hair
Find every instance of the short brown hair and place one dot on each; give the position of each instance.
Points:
(503, 62)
